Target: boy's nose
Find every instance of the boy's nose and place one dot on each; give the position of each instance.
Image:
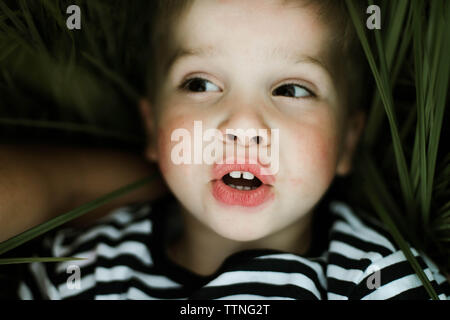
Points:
(246, 139)
(245, 129)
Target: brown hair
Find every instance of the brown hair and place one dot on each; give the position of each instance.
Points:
(332, 12)
(165, 14)
(348, 53)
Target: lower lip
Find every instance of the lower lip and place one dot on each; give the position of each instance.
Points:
(245, 198)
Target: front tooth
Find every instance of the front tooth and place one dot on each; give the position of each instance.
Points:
(247, 188)
(240, 187)
(235, 174)
(248, 176)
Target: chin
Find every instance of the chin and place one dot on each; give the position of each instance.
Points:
(240, 227)
(241, 236)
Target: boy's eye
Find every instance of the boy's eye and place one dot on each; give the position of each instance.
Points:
(292, 90)
(199, 85)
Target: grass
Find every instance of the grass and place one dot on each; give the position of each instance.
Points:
(85, 83)
(415, 171)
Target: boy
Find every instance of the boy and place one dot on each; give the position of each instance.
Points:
(248, 230)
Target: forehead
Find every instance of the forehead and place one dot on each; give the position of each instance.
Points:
(256, 29)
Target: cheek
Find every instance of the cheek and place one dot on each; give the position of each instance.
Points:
(323, 155)
(313, 160)
(163, 153)
(168, 168)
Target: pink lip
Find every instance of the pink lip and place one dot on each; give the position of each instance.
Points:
(219, 170)
(231, 196)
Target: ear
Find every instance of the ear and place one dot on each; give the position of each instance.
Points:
(352, 134)
(147, 115)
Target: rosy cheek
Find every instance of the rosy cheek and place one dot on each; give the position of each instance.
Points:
(327, 157)
(324, 155)
(314, 160)
(296, 181)
(163, 154)
(165, 145)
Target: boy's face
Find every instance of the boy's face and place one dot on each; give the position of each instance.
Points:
(256, 64)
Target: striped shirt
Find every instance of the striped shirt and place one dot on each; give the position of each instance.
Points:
(125, 259)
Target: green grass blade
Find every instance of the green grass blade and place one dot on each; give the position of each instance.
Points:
(31, 27)
(421, 78)
(69, 216)
(438, 100)
(9, 50)
(386, 96)
(375, 182)
(11, 36)
(443, 226)
(444, 211)
(396, 29)
(385, 217)
(405, 39)
(127, 89)
(382, 80)
(31, 260)
(13, 17)
(384, 88)
(52, 7)
(399, 31)
(72, 127)
(432, 70)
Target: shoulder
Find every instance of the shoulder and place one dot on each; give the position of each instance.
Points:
(120, 238)
(358, 234)
(365, 262)
(124, 223)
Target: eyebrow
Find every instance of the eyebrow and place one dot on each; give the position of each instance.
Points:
(210, 51)
(182, 53)
(312, 60)
(297, 57)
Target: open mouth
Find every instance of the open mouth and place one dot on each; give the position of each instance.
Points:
(241, 185)
(242, 180)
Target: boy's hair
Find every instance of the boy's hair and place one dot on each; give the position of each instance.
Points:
(332, 12)
(165, 14)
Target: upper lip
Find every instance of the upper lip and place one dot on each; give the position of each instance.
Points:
(219, 170)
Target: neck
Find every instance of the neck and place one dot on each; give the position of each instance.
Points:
(202, 251)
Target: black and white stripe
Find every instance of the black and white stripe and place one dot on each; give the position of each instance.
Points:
(124, 260)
